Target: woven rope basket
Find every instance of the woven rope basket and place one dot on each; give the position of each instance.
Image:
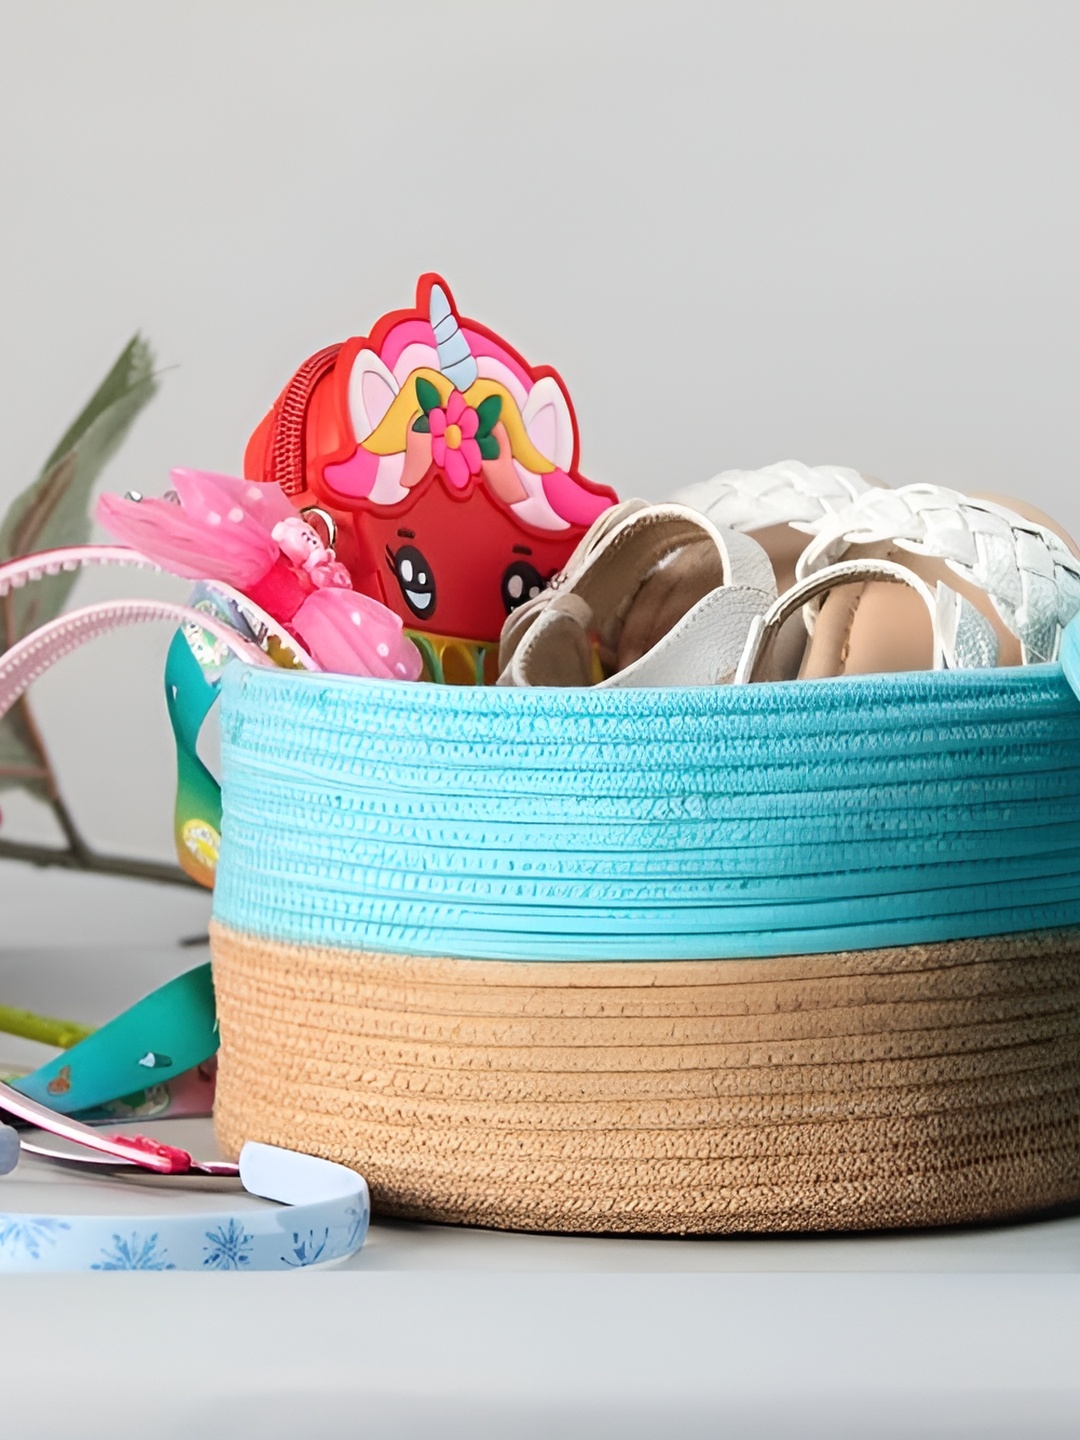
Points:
(920, 1086)
(929, 1081)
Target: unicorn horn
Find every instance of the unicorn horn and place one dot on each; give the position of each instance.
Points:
(455, 358)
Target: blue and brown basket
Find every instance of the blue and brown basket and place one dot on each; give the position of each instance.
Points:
(793, 957)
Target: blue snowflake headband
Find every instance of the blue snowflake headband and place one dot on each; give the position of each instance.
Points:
(327, 1204)
(325, 1218)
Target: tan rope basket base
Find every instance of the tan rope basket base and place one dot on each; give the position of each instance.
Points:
(922, 1085)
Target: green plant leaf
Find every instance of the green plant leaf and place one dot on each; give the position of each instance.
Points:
(21, 765)
(489, 447)
(488, 412)
(427, 395)
(422, 425)
(53, 511)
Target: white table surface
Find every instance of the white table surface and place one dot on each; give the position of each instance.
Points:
(438, 1331)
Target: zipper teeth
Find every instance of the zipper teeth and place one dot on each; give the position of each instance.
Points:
(287, 448)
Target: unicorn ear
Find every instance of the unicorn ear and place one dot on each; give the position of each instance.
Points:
(548, 422)
(371, 393)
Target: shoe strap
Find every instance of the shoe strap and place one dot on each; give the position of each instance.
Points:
(1028, 572)
(962, 637)
(703, 648)
(788, 493)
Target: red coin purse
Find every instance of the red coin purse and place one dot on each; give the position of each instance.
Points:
(446, 467)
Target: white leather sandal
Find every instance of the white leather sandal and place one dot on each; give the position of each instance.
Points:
(780, 506)
(961, 637)
(660, 597)
(1016, 567)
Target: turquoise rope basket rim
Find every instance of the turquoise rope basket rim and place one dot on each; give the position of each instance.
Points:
(502, 824)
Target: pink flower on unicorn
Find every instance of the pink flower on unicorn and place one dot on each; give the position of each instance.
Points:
(454, 447)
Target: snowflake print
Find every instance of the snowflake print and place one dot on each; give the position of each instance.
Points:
(27, 1233)
(357, 1221)
(229, 1247)
(306, 1252)
(134, 1253)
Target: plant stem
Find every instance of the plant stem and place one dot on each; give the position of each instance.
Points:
(76, 844)
(78, 855)
(88, 860)
(43, 1028)
(55, 800)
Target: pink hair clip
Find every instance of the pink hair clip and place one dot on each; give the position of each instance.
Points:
(250, 537)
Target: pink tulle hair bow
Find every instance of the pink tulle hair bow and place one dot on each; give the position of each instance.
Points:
(248, 536)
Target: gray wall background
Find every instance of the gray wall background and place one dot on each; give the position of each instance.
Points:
(742, 232)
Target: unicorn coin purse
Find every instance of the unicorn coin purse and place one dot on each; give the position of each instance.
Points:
(448, 469)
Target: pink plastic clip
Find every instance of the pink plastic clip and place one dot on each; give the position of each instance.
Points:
(179, 1160)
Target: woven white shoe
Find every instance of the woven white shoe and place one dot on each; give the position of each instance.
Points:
(660, 597)
(981, 584)
(779, 505)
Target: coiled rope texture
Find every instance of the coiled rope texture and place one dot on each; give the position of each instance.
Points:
(650, 824)
(915, 1086)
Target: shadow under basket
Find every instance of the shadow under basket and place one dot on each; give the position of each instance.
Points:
(382, 846)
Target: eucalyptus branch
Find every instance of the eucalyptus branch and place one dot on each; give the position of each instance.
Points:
(78, 854)
(72, 834)
(53, 512)
(45, 856)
